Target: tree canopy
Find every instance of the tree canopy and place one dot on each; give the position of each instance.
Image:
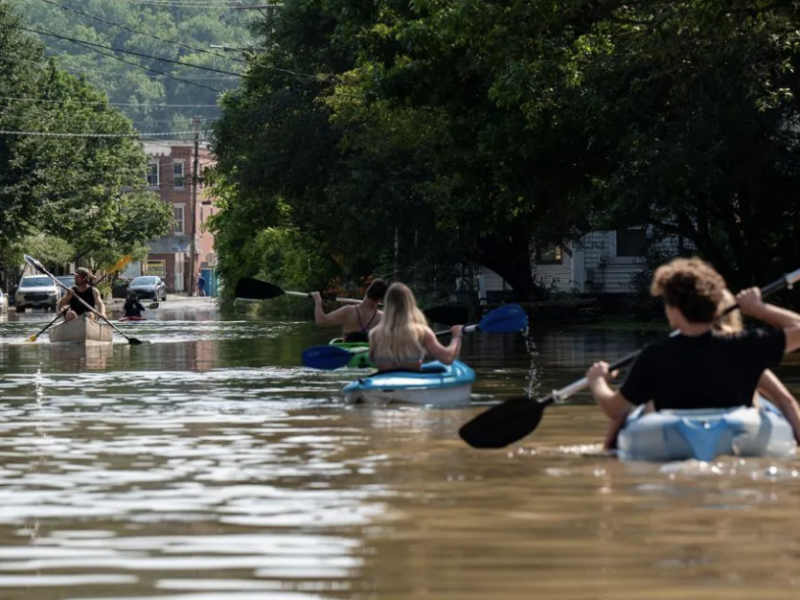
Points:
(71, 166)
(452, 131)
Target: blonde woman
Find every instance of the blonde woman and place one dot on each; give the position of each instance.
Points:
(402, 339)
(769, 386)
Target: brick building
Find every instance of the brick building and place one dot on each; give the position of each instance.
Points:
(169, 172)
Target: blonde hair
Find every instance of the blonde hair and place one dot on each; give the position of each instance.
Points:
(399, 336)
(732, 322)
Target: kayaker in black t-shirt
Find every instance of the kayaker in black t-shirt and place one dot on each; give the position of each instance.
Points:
(699, 367)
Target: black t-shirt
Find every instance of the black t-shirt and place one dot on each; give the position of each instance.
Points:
(708, 371)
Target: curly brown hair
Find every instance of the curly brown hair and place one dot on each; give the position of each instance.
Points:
(692, 286)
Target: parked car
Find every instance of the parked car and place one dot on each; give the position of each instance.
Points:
(36, 291)
(68, 281)
(149, 286)
(3, 302)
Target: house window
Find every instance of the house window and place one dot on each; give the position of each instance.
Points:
(631, 243)
(178, 210)
(152, 173)
(178, 170)
(549, 256)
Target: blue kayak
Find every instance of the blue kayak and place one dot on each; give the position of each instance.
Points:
(704, 434)
(436, 384)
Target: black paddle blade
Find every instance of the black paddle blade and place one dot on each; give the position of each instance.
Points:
(255, 289)
(448, 315)
(134, 341)
(503, 424)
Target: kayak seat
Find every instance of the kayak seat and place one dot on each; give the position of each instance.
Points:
(428, 368)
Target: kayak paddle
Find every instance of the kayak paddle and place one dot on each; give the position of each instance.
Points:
(508, 318)
(249, 288)
(517, 418)
(35, 336)
(121, 264)
(39, 267)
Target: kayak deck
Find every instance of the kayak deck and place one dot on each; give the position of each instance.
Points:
(436, 384)
(705, 434)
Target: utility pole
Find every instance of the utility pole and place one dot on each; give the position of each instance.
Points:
(193, 245)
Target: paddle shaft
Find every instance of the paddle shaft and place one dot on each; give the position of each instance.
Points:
(339, 300)
(35, 336)
(41, 268)
(786, 282)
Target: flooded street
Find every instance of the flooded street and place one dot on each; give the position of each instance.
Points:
(209, 464)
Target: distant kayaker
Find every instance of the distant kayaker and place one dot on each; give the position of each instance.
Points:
(133, 308)
(356, 320)
(403, 339)
(88, 293)
(701, 367)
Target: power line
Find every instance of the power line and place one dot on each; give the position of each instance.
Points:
(94, 135)
(115, 103)
(139, 54)
(140, 32)
(88, 46)
(193, 48)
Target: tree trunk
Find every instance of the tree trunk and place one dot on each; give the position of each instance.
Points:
(510, 257)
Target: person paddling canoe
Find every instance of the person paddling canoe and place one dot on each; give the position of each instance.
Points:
(402, 339)
(84, 290)
(356, 320)
(702, 367)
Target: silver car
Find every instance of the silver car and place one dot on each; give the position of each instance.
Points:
(3, 302)
(36, 291)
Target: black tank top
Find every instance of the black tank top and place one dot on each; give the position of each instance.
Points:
(88, 297)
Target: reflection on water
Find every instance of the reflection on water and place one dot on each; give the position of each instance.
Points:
(208, 464)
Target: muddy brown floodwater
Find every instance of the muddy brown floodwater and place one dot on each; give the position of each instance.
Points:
(208, 464)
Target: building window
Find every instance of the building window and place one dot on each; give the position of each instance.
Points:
(179, 178)
(178, 210)
(631, 243)
(152, 173)
(549, 256)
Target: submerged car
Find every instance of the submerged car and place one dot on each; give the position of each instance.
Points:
(149, 286)
(36, 291)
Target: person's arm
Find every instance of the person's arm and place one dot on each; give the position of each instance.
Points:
(98, 301)
(65, 300)
(332, 319)
(444, 354)
(751, 304)
(611, 401)
(774, 390)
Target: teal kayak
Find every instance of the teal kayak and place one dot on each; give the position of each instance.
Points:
(704, 434)
(436, 384)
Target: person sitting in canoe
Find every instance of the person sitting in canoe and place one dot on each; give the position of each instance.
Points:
(86, 292)
(357, 320)
(702, 367)
(402, 339)
(769, 386)
(133, 308)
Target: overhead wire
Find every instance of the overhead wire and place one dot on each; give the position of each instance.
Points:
(178, 43)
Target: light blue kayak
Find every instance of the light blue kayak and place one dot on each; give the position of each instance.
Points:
(704, 434)
(437, 384)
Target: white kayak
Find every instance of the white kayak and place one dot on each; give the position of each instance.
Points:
(82, 330)
(437, 384)
(704, 434)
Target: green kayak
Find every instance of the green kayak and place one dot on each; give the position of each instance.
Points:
(360, 352)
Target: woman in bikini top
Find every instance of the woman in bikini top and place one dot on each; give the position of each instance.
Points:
(402, 339)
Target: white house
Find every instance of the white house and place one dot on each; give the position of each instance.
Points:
(601, 262)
